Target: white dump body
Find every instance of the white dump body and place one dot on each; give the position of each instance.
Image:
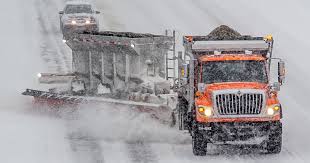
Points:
(239, 45)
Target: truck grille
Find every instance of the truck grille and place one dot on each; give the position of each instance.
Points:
(80, 20)
(239, 103)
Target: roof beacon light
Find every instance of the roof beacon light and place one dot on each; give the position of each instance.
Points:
(189, 38)
(248, 52)
(268, 38)
(216, 52)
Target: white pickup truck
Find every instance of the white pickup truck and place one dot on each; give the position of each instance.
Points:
(78, 17)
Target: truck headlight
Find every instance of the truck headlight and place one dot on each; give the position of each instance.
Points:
(205, 110)
(272, 110)
(208, 111)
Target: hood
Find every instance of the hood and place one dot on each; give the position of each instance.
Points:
(210, 88)
(236, 85)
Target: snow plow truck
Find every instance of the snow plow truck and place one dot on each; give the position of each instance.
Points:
(219, 89)
(224, 92)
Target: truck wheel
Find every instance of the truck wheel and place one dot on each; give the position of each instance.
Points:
(199, 145)
(274, 142)
(181, 115)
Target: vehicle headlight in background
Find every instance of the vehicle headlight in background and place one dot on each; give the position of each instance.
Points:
(205, 110)
(272, 110)
(73, 22)
(39, 75)
(87, 21)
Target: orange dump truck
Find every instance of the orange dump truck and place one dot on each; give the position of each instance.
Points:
(226, 94)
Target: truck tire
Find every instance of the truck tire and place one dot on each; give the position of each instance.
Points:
(181, 111)
(199, 145)
(173, 119)
(274, 142)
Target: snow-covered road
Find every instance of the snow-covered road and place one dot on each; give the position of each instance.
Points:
(285, 19)
(31, 42)
(25, 136)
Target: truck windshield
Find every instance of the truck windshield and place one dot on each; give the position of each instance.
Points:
(234, 71)
(73, 9)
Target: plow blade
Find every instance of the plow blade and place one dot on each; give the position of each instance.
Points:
(157, 111)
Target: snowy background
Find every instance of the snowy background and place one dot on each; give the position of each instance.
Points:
(31, 42)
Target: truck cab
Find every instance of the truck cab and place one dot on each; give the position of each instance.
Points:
(226, 93)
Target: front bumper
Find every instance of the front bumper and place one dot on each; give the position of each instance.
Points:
(235, 131)
(203, 119)
(80, 28)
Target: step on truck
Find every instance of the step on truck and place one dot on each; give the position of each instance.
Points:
(225, 90)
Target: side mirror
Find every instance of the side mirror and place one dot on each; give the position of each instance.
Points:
(180, 54)
(281, 72)
(184, 71)
(201, 87)
(97, 12)
(275, 87)
(61, 12)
